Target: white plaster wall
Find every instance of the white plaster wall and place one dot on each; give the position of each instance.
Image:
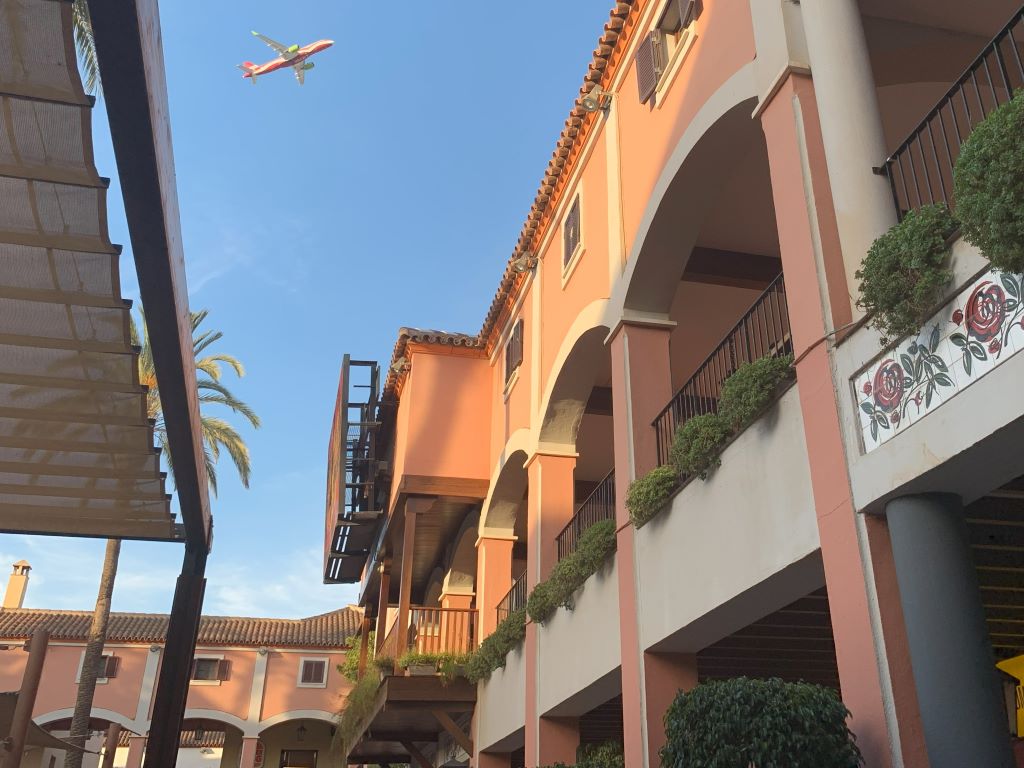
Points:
(752, 524)
(935, 453)
(577, 648)
(501, 701)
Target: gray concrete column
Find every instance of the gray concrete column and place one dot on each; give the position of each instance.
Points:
(851, 126)
(958, 691)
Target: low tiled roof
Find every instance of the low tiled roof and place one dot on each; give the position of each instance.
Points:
(328, 630)
(426, 336)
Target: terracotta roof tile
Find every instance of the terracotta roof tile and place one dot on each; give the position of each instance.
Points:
(425, 336)
(328, 630)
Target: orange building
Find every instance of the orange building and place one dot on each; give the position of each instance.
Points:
(724, 171)
(262, 692)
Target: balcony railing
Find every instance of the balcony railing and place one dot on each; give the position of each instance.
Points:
(514, 599)
(433, 630)
(598, 506)
(763, 331)
(920, 170)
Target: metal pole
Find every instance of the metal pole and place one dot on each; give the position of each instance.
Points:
(110, 745)
(179, 648)
(15, 743)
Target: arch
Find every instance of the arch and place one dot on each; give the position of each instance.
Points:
(508, 487)
(460, 578)
(127, 723)
(685, 192)
(569, 385)
(247, 728)
(296, 714)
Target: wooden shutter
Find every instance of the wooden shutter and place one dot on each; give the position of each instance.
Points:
(312, 672)
(648, 66)
(514, 350)
(192, 674)
(223, 669)
(571, 232)
(690, 11)
(110, 665)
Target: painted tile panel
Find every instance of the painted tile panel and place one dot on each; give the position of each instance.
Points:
(975, 332)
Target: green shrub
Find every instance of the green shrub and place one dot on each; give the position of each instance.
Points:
(648, 494)
(988, 185)
(358, 705)
(448, 665)
(903, 274)
(697, 447)
(491, 653)
(350, 666)
(594, 546)
(608, 754)
(750, 389)
(385, 664)
(742, 722)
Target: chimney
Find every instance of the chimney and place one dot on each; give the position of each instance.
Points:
(17, 583)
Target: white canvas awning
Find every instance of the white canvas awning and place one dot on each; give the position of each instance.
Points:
(76, 445)
(36, 736)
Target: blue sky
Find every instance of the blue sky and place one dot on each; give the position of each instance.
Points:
(387, 191)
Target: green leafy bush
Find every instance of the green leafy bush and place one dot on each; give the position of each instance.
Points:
(988, 185)
(608, 754)
(750, 389)
(385, 664)
(648, 494)
(350, 666)
(904, 272)
(741, 722)
(594, 546)
(491, 653)
(697, 447)
(448, 665)
(358, 705)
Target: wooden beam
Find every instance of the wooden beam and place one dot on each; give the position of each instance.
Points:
(405, 576)
(364, 643)
(415, 754)
(453, 728)
(382, 603)
(432, 485)
(733, 269)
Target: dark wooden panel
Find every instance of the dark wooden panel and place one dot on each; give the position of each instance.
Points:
(731, 268)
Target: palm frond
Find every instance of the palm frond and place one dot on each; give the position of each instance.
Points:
(206, 386)
(223, 434)
(230, 360)
(204, 340)
(86, 45)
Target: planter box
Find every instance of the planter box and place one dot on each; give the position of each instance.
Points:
(421, 670)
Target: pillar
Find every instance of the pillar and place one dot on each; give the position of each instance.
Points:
(851, 125)
(812, 260)
(549, 508)
(493, 578)
(493, 760)
(21, 718)
(559, 738)
(641, 387)
(110, 745)
(382, 603)
(247, 759)
(665, 675)
(413, 507)
(136, 751)
(958, 690)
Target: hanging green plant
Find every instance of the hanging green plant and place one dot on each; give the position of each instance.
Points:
(596, 543)
(751, 389)
(988, 186)
(904, 273)
(698, 444)
(492, 652)
(648, 494)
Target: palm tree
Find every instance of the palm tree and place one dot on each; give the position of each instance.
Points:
(218, 435)
(86, 46)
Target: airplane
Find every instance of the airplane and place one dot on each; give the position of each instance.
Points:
(287, 56)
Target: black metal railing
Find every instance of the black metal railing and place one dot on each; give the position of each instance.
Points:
(920, 170)
(598, 506)
(762, 332)
(514, 599)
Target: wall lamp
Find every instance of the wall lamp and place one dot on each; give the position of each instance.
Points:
(596, 100)
(524, 263)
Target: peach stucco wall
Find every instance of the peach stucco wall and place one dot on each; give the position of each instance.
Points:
(232, 695)
(283, 695)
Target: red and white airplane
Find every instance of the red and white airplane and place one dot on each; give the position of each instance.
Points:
(287, 56)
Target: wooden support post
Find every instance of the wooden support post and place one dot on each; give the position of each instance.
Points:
(110, 745)
(382, 603)
(416, 755)
(452, 727)
(364, 642)
(412, 509)
(26, 698)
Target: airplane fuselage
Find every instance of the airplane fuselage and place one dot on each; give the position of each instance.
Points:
(280, 62)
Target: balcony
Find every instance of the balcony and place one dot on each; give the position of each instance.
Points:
(433, 630)
(920, 170)
(763, 331)
(514, 599)
(598, 506)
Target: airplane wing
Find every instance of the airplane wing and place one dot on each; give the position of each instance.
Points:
(300, 73)
(279, 47)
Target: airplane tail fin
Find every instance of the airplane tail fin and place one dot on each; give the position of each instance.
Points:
(249, 69)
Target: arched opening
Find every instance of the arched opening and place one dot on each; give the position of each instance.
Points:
(47, 757)
(299, 742)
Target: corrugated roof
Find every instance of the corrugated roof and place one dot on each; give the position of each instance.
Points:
(326, 630)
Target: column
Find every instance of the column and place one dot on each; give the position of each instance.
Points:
(413, 507)
(493, 578)
(493, 760)
(851, 125)
(136, 750)
(818, 302)
(247, 759)
(958, 690)
(559, 738)
(665, 675)
(549, 508)
(382, 603)
(641, 387)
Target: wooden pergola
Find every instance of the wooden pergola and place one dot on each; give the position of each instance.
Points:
(76, 447)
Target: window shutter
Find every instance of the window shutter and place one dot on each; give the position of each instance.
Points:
(312, 672)
(110, 666)
(571, 232)
(223, 669)
(648, 70)
(192, 674)
(514, 350)
(690, 11)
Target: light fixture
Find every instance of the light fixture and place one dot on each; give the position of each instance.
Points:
(400, 365)
(300, 734)
(524, 263)
(262, 651)
(596, 100)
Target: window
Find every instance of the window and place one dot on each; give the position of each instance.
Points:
(514, 350)
(210, 669)
(571, 232)
(656, 51)
(298, 758)
(312, 673)
(106, 667)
